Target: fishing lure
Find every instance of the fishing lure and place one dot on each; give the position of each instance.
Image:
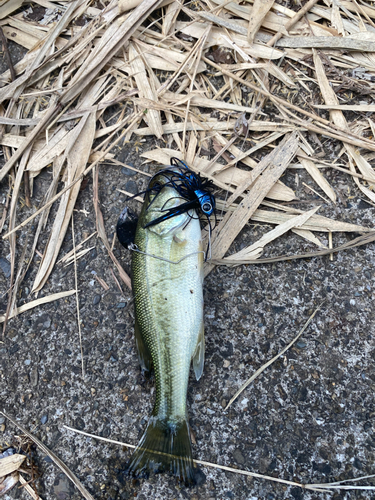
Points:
(189, 185)
(191, 188)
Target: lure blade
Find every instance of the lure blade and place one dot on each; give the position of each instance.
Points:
(126, 227)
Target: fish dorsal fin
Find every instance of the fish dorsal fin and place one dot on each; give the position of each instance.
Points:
(144, 355)
(198, 357)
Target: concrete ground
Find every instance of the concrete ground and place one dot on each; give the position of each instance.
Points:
(308, 418)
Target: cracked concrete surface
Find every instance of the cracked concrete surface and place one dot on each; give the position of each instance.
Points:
(308, 418)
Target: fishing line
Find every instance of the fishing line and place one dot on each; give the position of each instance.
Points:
(209, 241)
(133, 247)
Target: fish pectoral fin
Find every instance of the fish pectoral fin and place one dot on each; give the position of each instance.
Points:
(180, 238)
(198, 357)
(144, 355)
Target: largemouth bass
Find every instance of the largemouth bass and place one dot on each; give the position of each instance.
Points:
(167, 279)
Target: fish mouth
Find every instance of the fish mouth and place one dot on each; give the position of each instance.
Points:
(165, 227)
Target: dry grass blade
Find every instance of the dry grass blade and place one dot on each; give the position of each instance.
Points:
(315, 223)
(37, 302)
(255, 250)
(75, 250)
(152, 116)
(365, 108)
(361, 240)
(12, 220)
(126, 5)
(258, 13)
(329, 42)
(315, 192)
(309, 236)
(137, 198)
(225, 23)
(7, 55)
(315, 173)
(9, 7)
(77, 298)
(207, 125)
(232, 224)
(266, 365)
(77, 483)
(216, 104)
(28, 488)
(102, 282)
(7, 483)
(11, 464)
(74, 258)
(341, 484)
(78, 152)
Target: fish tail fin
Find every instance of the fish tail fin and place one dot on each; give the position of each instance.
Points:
(164, 447)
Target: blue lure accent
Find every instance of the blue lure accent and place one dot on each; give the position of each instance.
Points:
(205, 201)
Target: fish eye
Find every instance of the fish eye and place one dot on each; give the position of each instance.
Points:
(206, 207)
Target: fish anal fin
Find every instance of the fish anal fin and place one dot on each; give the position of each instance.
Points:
(198, 357)
(144, 355)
